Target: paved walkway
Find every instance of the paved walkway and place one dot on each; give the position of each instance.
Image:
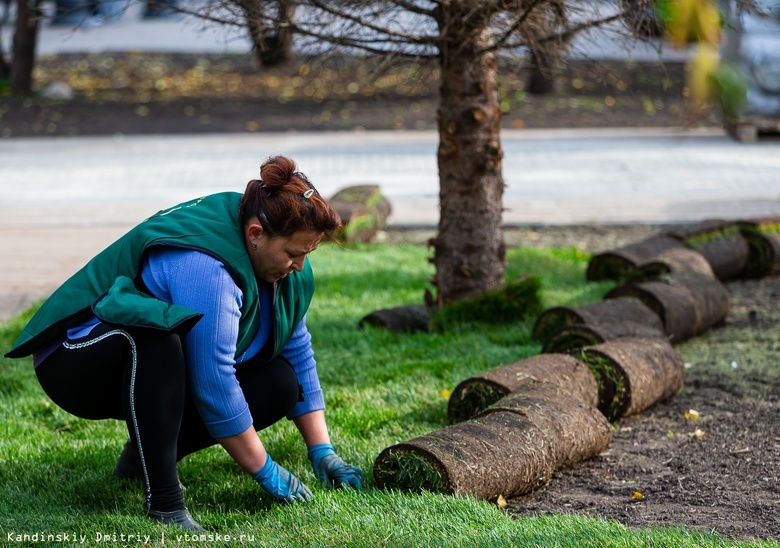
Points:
(62, 200)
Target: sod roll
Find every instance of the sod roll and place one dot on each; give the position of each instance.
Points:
(511, 448)
(476, 393)
(687, 304)
(674, 260)
(763, 237)
(618, 263)
(573, 337)
(502, 453)
(577, 431)
(634, 374)
(607, 311)
(720, 242)
(401, 319)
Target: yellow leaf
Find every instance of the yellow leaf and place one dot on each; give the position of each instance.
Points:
(501, 502)
(692, 414)
(701, 69)
(697, 433)
(445, 394)
(637, 495)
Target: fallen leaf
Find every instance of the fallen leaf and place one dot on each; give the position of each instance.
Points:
(697, 433)
(445, 394)
(692, 414)
(501, 502)
(637, 495)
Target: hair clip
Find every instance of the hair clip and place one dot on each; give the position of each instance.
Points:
(308, 193)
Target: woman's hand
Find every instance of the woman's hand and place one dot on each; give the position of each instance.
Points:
(281, 483)
(331, 470)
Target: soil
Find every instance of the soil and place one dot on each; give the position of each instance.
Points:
(717, 473)
(664, 467)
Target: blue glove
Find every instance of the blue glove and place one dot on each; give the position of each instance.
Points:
(280, 483)
(331, 470)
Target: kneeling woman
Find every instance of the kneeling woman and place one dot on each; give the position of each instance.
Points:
(192, 329)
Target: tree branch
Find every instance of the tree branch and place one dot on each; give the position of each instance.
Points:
(423, 40)
(408, 6)
(500, 43)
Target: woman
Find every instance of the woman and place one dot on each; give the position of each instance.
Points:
(192, 329)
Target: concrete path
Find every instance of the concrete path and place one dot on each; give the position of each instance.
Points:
(62, 200)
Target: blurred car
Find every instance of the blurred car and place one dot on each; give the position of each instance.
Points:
(751, 47)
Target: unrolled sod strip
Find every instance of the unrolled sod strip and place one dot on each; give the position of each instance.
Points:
(634, 374)
(507, 450)
(687, 304)
(476, 393)
(616, 264)
(608, 311)
(720, 242)
(763, 237)
(573, 337)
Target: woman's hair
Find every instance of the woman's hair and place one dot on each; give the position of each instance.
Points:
(285, 202)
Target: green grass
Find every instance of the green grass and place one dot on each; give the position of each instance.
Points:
(381, 388)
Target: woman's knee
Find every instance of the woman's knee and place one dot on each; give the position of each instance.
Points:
(271, 390)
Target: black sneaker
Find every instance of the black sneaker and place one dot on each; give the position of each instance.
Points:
(178, 518)
(128, 465)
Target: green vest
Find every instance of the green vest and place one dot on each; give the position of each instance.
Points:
(105, 286)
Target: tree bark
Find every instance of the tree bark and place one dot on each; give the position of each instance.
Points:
(469, 248)
(25, 39)
(272, 44)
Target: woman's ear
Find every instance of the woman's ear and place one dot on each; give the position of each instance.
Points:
(253, 231)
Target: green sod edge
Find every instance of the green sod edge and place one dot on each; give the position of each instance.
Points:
(760, 254)
(405, 470)
(569, 340)
(613, 390)
(698, 240)
(551, 319)
(513, 302)
(475, 396)
(608, 266)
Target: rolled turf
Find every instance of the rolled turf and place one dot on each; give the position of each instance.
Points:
(476, 393)
(763, 237)
(511, 448)
(688, 304)
(678, 259)
(622, 262)
(634, 374)
(720, 242)
(568, 338)
(616, 310)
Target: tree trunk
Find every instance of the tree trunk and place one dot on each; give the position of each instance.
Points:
(469, 248)
(5, 68)
(279, 43)
(545, 71)
(272, 45)
(25, 39)
(547, 56)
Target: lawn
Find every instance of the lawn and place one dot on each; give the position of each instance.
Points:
(56, 482)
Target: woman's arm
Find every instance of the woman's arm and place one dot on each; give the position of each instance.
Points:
(246, 449)
(313, 428)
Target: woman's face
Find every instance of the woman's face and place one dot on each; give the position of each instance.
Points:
(273, 258)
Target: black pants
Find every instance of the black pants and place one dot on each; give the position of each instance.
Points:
(140, 377)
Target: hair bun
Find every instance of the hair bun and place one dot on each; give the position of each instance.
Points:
(277, 171)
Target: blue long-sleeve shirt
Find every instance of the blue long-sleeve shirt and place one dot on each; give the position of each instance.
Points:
(200, 282)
